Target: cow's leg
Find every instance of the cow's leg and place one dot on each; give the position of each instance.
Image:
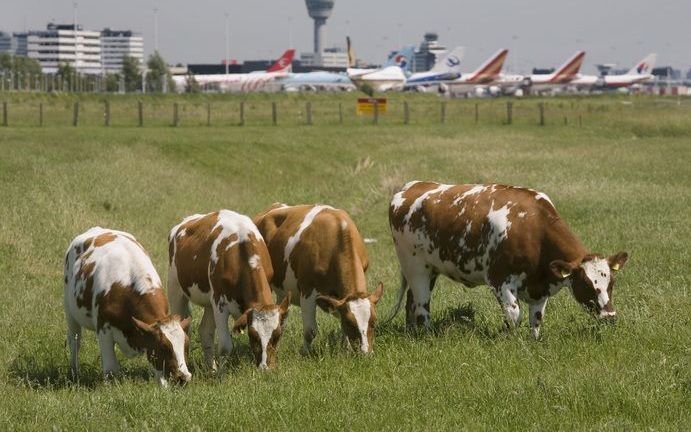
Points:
(419, 294)
(507, 295)
(308, 305)
(109, 362)
(74, 335)
(537, 313)
(207, 330)
(221, 315)
(179, 303)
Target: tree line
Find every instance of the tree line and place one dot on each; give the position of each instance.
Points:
(21, 72)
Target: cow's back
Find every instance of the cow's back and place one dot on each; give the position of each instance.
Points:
(313, 243)
(104, 271)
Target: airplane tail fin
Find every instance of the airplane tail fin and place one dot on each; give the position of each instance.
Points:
(284, 63)
(451, 62)
(351, 53)
(571, 67)
(402, 58)
(644, 66)
(491, 68)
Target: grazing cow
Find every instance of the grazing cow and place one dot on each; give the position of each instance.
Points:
(507, 237)
(219, 261)
(112, 287)
(319, 258)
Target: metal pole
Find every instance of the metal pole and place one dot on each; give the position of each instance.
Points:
(155, 29)
(40, 114)
(376, 112)
(242, 113)
(140, 109)
(274, 114)
(208, 113)
(227, 55)
(340, 113)
(509, 112)
(106, 113)
(443, 112)
(309, 113)
(75, 115)
(406, 113)
(175, 114)
(541, 107)
(4, 114)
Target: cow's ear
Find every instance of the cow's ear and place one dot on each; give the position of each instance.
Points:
(561, 269)
(283, 308)
(185, 324)
(242, 321)
(376, 295)
(329, 304)
(617, 261)
(143, 327)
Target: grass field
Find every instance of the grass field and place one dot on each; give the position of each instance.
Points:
(622, 180)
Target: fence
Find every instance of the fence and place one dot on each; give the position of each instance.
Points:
(286, 111)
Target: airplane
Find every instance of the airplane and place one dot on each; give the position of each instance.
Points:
(316, 80)
(636, 75)
(563, 76)
(389, 77)
(445, 70)
(485, 75)
(243, 82)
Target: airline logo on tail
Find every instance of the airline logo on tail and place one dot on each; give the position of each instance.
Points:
(570, 69)
(644, 66)
(452, 61)
(284, 63)
(400, 60)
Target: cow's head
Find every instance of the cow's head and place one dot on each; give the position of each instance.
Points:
(592, 280)
(358, 314)
(167, 348)
(265, 327)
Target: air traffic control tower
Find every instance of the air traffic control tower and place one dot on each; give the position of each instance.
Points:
(319, 11)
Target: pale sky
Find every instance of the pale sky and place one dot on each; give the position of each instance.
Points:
(540, 33)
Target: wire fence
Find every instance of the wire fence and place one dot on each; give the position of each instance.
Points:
(285, 110)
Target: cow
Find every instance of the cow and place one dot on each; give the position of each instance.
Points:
(219, 261)
(320, 259)
(112, 288)
(508, 237)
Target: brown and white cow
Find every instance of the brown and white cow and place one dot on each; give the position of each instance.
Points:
(319, 258)
(112, 287)
(219, 261)
(510, 238)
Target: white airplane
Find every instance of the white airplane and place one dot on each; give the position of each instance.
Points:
(485, 75)
(243, 82)
(445, 70)
(561, 77)
(389, 77)
(636, 75)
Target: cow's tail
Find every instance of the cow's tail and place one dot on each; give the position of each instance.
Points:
(399, 300)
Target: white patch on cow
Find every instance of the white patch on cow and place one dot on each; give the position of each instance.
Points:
(476, 189)
(344, 225)
(597, 270)
(306, 222)
(362, 309)
(232, 223)
(417, 204)
(173, 331)
(542, 195)
(254, 261)
(522, 214)
(499, 221)
(397, 200)
(182, 232)
(264, 323)
(370, 240)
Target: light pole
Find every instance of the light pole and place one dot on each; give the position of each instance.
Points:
(74, 15)
(227, 43)
(155, 29)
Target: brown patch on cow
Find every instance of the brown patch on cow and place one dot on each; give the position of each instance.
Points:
(117, 307)
(104, 238)
(196, 242)
(88, 242)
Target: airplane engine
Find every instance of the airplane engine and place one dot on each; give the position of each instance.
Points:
(494, 90)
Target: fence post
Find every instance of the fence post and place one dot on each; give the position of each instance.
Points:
(274, 114)
(40, 114)
(106, 113)
(242, 113)
(175, 114)
(580, 120)
(541, 107)
(509, 112)
(4, 114)
(566, 120)
(477, 112)
(140, 112)
(406, 113)
(208, 113)
(376, 112)
(443, 112)
(340, 113)
(308, 109)
(75, 115)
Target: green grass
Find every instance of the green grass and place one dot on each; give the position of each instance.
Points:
(621, 180)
